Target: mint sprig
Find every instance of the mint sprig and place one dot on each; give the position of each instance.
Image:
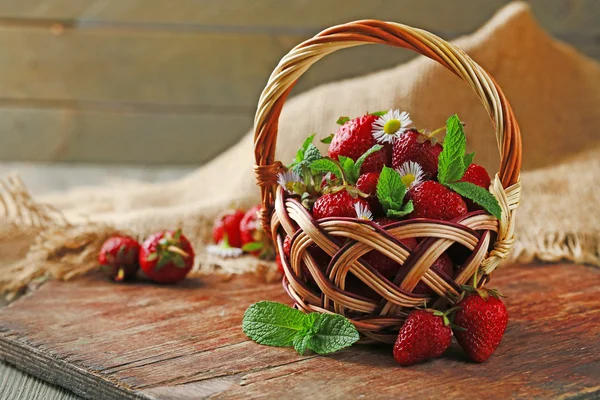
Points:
(306, 154)
(344, 168)
(452, 164)
(391, 193)
(275, 324)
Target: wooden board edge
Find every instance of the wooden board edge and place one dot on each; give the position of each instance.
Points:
(84, 383)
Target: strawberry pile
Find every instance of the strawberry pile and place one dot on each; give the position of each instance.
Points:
(164, 257)
(236, 232)
(380, 169)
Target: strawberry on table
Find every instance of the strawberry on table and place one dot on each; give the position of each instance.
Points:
(227, 226)
(483, 317)
(425, 334)
(118, 257)
(166, 256)
(254, 239)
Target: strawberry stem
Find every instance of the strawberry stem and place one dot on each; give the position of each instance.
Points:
(177, 250)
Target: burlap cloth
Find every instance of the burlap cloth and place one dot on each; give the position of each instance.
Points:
(554, 91)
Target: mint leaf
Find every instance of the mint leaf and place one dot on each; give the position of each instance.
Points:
(468, 160)
(479, 195)
(390, 190)
(327, 139)
(407, 209)
(300, 343)
(379, 113)
(342, 120)
(325, 165)
(273, 324)
(362, 158)
(252, 246)
(302, 149)
(331, 332)
(451, 165)
(310, 153)
(348, 167)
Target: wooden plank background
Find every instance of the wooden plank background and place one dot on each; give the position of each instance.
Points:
(136, 80)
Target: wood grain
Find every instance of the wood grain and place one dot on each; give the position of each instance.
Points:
(557, 15)
(117, 137)
(139, 340)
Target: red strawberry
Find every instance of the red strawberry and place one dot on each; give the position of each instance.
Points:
(228, 224)
(166, 257)
(253, 237)
(340, 204)
(417, 147)
(354, 138)
(442, 264)
(279, 263)
(287, 245)
(425, 334)
(119, 257)
(434, 200)
(367, 183)
(484, 318)
(477, 175)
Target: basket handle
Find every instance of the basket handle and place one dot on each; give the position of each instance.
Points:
(357, 33)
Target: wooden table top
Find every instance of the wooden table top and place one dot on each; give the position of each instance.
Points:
(103, 340)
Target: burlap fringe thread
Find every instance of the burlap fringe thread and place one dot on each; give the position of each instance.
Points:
(39, 243)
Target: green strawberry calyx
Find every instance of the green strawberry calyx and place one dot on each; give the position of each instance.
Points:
(169, 251)
(484, 292)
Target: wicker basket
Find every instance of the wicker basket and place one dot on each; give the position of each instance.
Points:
(347, 239)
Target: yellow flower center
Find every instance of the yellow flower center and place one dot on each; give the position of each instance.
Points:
(392, 126)
(408, 179)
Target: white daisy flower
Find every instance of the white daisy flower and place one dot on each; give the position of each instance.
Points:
(363, 212)
(411, 173)
(287, 179)
(390, 126)
(224, 251)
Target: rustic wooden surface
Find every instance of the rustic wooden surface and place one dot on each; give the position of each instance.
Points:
(103, 340)
(143, 76)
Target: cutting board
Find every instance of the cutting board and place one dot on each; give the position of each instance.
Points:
(105, 340)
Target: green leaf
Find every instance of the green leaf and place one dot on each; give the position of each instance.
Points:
(451, 166)
(273, 324)
(342, 120)
(468, 160)
(331, 332)
(327, 139)
(367, 153)
(302, 149)
(390, 190)
(479, 195)
(407, 209)
(179, 261)
(325, 165)
(152, 256)
(379, 113)
(348, 167)
(311, 153)
(300, 342)
(253, 246)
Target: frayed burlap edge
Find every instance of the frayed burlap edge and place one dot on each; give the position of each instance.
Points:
(554, 246)
(58, 249)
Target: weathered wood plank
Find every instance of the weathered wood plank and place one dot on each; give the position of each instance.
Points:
(15, 384)
(117, 137)
(557, 15)
(101, 339)
(96, 67)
